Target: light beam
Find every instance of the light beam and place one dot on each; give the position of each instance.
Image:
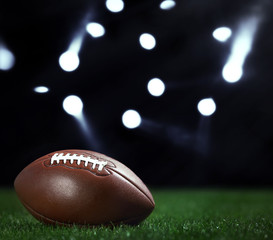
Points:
(69, 60)
(73, 106)
(241, 47)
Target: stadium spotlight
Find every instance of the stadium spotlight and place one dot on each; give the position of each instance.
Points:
(131, 119)
(232, 71)
(147, 41)
(206, 106)
(7, 58)
(41, 89)
(222, 34)
(114, 6)
(156, 87)
(167, 4)
(69, 61)
(241, 47)
(73, 105)
(95, 29)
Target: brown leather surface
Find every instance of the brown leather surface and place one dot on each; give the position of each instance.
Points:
(71, 193)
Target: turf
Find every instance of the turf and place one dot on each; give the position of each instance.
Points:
(179, 214)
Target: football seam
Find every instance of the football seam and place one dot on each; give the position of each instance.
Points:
(132, 183)
(128, 220)
(71, 167)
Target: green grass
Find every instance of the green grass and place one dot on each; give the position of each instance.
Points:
(179, 214)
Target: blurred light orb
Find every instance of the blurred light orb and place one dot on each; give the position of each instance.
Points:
(147, 41)
(206, 106)
(232, 72)
(156, 87)
(131, 119)
(7, 59)
(73, 105)
(241, 46)
(69, 61)
(114, 5)
(222, 34)
(41, 89)
(167, 4)
(95, 29)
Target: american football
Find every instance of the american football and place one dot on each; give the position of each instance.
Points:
(84, 188)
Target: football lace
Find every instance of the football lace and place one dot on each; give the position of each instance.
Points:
(78, 158)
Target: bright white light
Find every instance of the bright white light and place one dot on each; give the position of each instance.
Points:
(69, 61)
(73, 105)
(95, 29)
(232, 72)
(167, 4)
(41, 89)
(147, 41)
(7, 59)
(131, 119)
(222, 34)
(76, 44)
(241, 47)
(206, 106)
(114, 5)
(156, 87)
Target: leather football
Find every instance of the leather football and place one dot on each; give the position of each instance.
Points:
(84, 188)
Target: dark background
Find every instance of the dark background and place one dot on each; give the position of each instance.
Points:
(175, 145)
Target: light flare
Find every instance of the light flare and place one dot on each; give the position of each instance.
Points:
(241, 47)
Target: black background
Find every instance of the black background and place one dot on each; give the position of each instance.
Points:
(174, 145)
